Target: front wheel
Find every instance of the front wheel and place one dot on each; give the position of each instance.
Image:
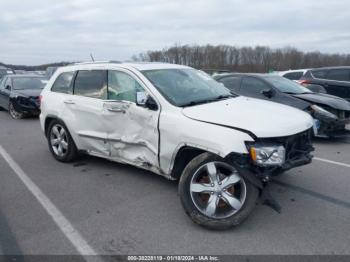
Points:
(214, 194)
(14, 113)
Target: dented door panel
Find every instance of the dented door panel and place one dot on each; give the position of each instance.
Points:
(132, 133)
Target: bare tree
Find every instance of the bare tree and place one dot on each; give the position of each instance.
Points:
(243, 59)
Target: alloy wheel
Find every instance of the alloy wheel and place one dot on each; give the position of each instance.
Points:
(217, 190)
(59, 140)
(14, 114)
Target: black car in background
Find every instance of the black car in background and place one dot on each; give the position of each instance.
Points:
(335, 80)
(19, 94)
(331, 114)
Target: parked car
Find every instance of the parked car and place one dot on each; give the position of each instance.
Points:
(335, 80)
(331, 114)
(19, 94)
(294, 75)
(179, 123)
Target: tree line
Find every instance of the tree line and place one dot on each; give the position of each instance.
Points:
(33, 68)
(243, 59)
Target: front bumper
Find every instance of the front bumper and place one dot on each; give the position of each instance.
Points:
(333, 128)
(298, 153)
(28, 106)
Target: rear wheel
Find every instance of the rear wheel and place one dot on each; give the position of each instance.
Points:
(214, 194)
(14, 113)
(60, 142)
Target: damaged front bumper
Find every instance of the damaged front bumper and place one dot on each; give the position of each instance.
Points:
(333, 128)
(298, 149)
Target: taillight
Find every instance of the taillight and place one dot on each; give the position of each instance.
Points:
(40, 99)
(303, 82)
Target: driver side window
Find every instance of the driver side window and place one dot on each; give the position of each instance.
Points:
(122, 86)
(253, 87)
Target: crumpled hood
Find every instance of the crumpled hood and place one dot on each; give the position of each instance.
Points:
(325, 99)
(262, 118)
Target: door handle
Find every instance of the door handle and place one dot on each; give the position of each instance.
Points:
(69, 102)
(116, 110)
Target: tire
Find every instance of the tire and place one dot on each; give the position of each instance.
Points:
(60, 142)
(225, 216)
(14, 113)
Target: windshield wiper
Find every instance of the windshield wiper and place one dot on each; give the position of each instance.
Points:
(220, 97)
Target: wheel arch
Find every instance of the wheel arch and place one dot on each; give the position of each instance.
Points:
(183, 156)
(48, 120)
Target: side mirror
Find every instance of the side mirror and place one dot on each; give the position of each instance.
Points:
(268, 93)
(8, 87)
(142, 99)
(317, 88)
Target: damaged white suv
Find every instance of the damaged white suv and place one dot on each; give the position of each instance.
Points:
(181, 124)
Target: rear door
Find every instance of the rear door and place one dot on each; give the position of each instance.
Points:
(132, 130)
(338, 83)
(84, 110)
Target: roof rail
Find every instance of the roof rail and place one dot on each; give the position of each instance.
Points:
(97, 62)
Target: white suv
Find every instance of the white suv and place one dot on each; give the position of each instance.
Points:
(179, 123)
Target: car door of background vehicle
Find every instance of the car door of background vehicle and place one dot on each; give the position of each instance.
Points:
(5, 93)
(132, 130)
(338, 83)
(84, 110)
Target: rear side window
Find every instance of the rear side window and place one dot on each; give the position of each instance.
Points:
(91, 84)
(294, 75)
(232, 82)
(63, 83)
(339, 74)
(319, 73)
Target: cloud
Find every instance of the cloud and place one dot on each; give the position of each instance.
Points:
(36, 31)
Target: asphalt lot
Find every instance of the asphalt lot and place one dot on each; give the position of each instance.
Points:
(118, 209)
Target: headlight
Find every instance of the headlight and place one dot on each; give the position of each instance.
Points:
(267, 155)
(323, 112)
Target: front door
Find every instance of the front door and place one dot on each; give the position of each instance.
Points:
(5, 90)
(132, 130)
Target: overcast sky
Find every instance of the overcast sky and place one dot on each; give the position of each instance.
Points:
(40, 31)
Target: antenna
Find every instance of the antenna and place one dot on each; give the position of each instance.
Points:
(92, 58)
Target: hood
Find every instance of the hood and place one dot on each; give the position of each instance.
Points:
(289, 100)
(325, 99)
(28, 92)
(262, 118)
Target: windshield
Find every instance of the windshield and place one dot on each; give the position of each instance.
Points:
(285, 85)
(184, 87)
(28, 83)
